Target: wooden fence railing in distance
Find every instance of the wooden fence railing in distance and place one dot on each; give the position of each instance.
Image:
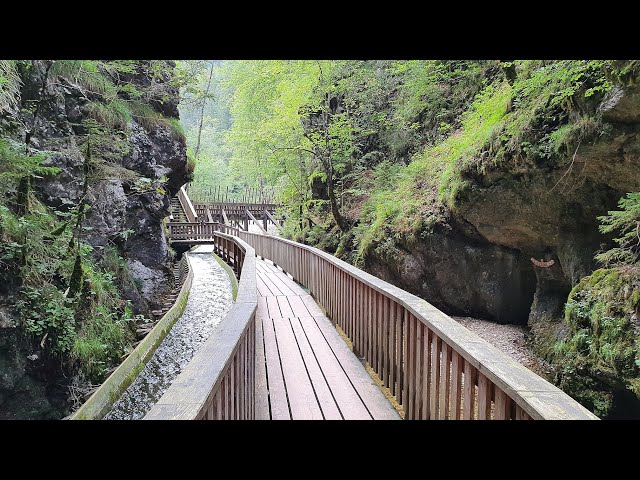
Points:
(197, 231)
(219, 382)
(433, 366)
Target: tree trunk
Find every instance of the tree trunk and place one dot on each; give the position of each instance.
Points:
(340, 220)
(204, 103)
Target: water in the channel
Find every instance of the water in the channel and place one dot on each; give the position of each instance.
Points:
(209, 301)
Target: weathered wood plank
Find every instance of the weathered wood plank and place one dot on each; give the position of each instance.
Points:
(285, 308)
(298, 307)
(445, 372)
(469, 391)
(327, 403)
(347, 399)
(263, 290)
(418, 370)
(426, 375)
(500, 411)
(385, 341)
(411, 368)
(456, 385)
(277, 390)
(311, 305)
(302, 399)
(268, 280)
(274, 307)
(278, 281)
(436, 345)
(371, 395)
(484, 397)
(263, 309)
(405, 363)
(392, 348)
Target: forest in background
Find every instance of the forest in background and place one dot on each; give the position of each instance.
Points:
(372, 159)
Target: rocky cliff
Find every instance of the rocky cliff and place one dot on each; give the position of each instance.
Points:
(497, 213)
(110, 130)
(480, 263)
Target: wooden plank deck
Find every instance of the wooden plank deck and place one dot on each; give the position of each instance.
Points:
(304, 369)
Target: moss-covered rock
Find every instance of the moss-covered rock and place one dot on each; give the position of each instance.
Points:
(598, 361)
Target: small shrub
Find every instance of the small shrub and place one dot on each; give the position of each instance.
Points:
(48, 318)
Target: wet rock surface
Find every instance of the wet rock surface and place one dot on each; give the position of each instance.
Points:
(209, 301)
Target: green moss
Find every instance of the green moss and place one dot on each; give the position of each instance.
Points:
(600, 353)
(177, 130)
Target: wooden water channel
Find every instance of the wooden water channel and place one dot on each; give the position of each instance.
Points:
(278, 354)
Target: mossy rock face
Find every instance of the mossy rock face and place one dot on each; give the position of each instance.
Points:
(598, 361)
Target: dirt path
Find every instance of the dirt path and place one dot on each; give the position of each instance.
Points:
(511, 339)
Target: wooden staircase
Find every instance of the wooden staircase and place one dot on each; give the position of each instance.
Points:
(176, 211)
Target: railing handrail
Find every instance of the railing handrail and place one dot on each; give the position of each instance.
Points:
(539, 398)
(239, 204)
(193, 393)
(187, 206)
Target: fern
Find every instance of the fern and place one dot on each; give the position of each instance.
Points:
(627, 222)
(15, 165)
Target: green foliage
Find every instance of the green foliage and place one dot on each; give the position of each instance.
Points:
(601, 352)
(177, 130)
(101, 342)
(15, 165)
(115, 114)
(47, 315)
(69, 297)
(625, 222)
(85, 74)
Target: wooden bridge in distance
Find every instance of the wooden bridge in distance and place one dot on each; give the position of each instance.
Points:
(280, 352)
(188, 220)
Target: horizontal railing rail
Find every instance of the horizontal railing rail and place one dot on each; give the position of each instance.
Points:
(219, 382)
(434, 367)
(198, 231)
(187, 206)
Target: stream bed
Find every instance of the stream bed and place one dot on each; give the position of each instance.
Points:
(209, 301)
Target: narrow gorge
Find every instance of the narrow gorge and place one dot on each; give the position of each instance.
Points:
(503, 191)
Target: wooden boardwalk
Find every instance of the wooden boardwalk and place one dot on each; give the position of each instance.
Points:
(304, 369)
(276, 356)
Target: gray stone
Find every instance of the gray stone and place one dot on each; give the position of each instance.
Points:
(621, 105)
(152, 280)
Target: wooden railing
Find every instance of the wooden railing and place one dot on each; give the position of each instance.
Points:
(197, 231)
(219, 382)
(433, 366)
(187, 206)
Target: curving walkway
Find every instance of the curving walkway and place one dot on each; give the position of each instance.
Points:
(304, 369)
